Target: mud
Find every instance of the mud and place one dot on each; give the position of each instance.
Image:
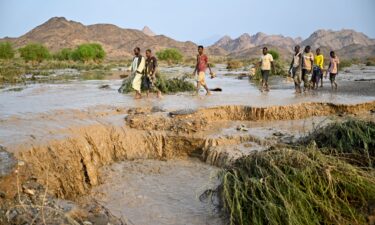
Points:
(150, 158)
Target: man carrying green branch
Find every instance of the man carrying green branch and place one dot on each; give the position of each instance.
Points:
(149, 78)
(137, 67)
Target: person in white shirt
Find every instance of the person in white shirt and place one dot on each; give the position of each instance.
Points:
(137, 67)
(265, 63)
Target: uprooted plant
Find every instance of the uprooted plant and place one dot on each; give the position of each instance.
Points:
(294, 186)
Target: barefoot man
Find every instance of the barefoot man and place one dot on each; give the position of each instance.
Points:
(150, 73)
(265, 63)
(137, 67)
(201, 67)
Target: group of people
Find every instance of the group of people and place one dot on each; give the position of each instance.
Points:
(144, 72)
(304, 67)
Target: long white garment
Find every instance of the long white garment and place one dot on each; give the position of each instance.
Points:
(134, 66)
(137, 72)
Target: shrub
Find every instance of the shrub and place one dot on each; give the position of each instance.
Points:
(352, 139)
(89, 52)
(6, 50)
(293, 186)
(64, 54)
(345, 63)
(275, 54)
(234, 64)
(370, 61)
(34, 52)
(171, 55)
(163, 84)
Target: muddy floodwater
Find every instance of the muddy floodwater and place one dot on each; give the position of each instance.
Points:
(148, 161)
(167, 190)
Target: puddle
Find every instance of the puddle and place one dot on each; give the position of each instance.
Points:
(150, 192)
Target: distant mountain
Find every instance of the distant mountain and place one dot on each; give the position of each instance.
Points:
(247, 41)
(59, 32)
(336, 40)
(146, 30)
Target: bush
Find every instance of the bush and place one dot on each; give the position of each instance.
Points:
(89, 52)
(275, 54)
(293, 186)
(345, 63)
(234, 64)
(6, 50)
(171, 55)
(34, 52)
(64, 54)
(163, 84)
(370, 61)
(353, 139)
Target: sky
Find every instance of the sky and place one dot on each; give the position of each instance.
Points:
(201, 21)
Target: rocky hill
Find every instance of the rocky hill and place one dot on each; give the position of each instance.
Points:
(59, 32)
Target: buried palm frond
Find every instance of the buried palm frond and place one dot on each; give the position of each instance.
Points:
(353, 140)
(165, 85)
(289, 186)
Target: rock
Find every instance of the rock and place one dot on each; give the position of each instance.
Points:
(242, 127)
(104, 86)
(87, 223)
(7, 162)
(182, 112)
(278, 134)
(2, 194)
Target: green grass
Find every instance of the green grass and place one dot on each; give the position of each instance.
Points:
(294, 186)
(353, 140)
(328, 181)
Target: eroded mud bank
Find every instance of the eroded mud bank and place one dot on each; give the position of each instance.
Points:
(216, 136)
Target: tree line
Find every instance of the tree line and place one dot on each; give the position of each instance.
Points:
(35, 52)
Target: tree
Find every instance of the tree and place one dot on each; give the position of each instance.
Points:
(89, 51)
(34, 52)
(64, 54)
(275, 54)
(6, 50)
(170, 55)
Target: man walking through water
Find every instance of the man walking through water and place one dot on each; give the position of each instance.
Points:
(307, 63)
(200, 68)
(295, 68)
(265, 63)
(137, 67)
(151, 68)
(318, 69)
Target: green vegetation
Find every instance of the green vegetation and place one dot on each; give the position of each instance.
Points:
(165, 85)
(234, 64)
(345, 63)
(6, 50)
(370, 61)
(275, 54)
(305, 184)
(170, 55)
(64, 54)
(88, 52)
(353, 140)
(34, 52)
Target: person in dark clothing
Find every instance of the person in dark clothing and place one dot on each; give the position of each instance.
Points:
(150, 74)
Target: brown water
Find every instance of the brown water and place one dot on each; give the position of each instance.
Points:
(41, 119)
(150, 192)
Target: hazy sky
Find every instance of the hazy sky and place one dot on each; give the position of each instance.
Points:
(196, 20)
